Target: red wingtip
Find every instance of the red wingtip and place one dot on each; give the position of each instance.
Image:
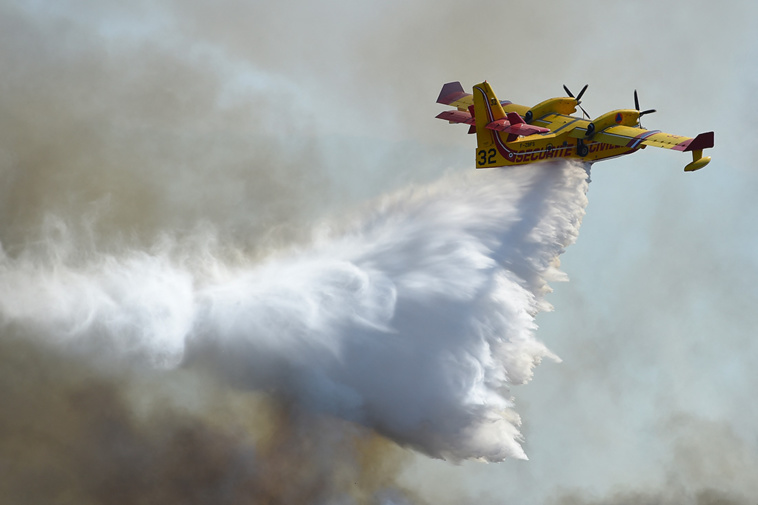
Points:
(702, 141)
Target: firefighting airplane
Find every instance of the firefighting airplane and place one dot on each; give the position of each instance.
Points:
(510, 134)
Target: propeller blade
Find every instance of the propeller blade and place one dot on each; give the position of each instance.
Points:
(579, 96)
(637, 107)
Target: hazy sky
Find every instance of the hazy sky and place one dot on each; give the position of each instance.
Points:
(332, 103)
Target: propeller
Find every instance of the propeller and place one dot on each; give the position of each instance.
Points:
(637, 106)
(578, 97)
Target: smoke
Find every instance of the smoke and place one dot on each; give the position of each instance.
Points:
(156, 160)
(715, 471)
(71, 433)
(143, 137)
(155, 220)
(171, 328)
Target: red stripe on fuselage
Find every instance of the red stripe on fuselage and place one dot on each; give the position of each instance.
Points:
(501, 147)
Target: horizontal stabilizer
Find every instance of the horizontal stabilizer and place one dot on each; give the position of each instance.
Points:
(498, 125)
(456, 116)
(525, 129)
(515, 128)
(451, 92)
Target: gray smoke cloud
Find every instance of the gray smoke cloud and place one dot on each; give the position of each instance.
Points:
(74, 433)
(141, 137)
(120, 153)
(149, 224)
(154, 145)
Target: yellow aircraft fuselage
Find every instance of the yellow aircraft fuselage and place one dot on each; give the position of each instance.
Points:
(495, 150)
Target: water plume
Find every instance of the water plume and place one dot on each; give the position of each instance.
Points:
(413, 317)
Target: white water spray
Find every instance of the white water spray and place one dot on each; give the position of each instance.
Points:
(413, 320)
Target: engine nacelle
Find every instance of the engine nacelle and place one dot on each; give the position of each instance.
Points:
(625, 117)
(565, 105)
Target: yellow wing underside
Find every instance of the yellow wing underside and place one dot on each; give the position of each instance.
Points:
(631, 136)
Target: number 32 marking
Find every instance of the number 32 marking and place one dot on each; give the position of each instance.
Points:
(486, 157)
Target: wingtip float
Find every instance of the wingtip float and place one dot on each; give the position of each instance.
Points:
(510, 134)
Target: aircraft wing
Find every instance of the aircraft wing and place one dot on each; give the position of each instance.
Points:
(637, 138)
(629, 136)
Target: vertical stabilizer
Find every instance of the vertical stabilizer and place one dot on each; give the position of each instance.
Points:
(487, 109)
